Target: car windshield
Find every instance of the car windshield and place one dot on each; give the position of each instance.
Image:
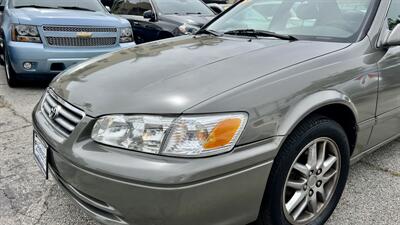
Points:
(183, 7)
(330, 20)
(88, 5)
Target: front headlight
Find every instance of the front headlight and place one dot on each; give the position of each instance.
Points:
(188, 29)
(26, 33)
(126, 35)
(186, 136)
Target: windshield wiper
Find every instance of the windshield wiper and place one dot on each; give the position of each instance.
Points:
(76, 8)
(34, 6)
(260, 33)
(212, 32)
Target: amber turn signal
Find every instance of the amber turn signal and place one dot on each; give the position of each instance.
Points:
(223, 133)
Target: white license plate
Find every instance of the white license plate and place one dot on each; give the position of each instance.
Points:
(40, 149)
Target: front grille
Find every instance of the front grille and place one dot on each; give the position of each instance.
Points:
(81, 42)
(79, 29)
(80, 36)
(63, 116)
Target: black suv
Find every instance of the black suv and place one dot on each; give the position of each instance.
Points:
(158, 19)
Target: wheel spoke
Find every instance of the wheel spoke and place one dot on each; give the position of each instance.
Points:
(313, 204)
(301, 168)
(327, 165)
(300, 209)
(321, 155)
(328, 177)
(297, 198)
(322, 193)
(296, 184)
(312, 156)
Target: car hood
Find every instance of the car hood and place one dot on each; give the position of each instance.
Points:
(35, 16)
(171, 76)
(195, 20)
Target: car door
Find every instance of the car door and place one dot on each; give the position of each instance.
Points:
(133, 10)
(388, 107)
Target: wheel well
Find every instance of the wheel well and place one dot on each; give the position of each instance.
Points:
(345, 117)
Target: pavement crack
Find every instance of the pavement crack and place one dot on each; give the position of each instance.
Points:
(45, 204)
(6, 177)
(12, 207)
(15, 129)
(41, 214)
(382, 169)
(5, 104)
(6, 195)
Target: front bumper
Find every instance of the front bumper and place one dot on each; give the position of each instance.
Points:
(46, 60)
(123, 187)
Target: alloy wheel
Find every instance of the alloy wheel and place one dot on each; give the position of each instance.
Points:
(311, 181)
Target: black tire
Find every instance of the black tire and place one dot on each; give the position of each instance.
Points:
(314, 127)
(11, 75)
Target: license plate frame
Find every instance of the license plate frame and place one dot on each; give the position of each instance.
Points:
(40, 153)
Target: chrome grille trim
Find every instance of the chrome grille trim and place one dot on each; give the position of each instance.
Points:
(81, 42)
(79, 29)
(66, 118)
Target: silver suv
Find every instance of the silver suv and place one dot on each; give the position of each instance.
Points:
(257, 117)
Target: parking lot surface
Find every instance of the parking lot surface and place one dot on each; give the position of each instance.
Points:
(372, 195)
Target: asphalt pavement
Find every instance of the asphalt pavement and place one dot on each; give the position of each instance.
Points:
(372, 195)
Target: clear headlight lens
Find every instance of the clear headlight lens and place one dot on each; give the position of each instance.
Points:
(126, 35)
(186, 136)
(139, 133)
(188, 29)
(26, 33)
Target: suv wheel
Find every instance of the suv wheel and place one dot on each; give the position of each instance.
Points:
(308, 176)
(10, 73)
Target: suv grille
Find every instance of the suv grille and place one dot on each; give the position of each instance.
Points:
(80, 36)
(81, 42)
(63, 116)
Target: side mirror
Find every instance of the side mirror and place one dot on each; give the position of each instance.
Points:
(149, 14)
(108, 8)
(393, 38)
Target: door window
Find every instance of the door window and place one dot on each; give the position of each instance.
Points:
(394, 14)
(131, 7)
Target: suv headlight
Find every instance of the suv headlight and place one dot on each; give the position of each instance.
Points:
(188, 29)
(26, 33)
(126, 35)
(186, 136)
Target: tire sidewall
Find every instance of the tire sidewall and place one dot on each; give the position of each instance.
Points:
(7, 64)
(275, 187)
(11, 76)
